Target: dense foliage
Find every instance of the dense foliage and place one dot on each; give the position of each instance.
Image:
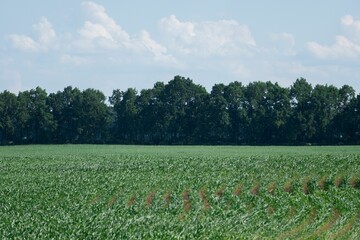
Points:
(181, 112)
(179, 192)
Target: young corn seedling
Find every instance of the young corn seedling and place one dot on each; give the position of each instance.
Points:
(288, 186)
(256, 189)
(339, 181)
(204, 199)
(323, 183)
(238, 190)
(306, 186)
(186, 199)
(149, 199)
(354, 182)
(113, 200)
(271, 188)
(167, 199)
(131, 201)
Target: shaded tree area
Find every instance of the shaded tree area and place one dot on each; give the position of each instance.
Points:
(182, 112)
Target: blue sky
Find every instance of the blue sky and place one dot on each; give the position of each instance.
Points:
(110, 45)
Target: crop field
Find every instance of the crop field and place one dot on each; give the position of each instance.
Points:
(179, 192)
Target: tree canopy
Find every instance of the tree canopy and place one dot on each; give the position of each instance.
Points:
(182, 112)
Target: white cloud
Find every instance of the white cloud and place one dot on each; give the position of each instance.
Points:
(105, 26)
(47, 35)
(347, 20)
(223, 37)
(99, 14)
(352, 27)
(99, 34)
(92, 31)
(345, 47)
(159, 51)
(105, 33)
(184, 31)
(342, 48)
(46, 38)
(94, 35)
(24, 43)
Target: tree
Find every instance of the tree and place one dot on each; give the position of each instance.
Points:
(267, 112)
(8, 117)
(325, 106)
(234, 95)
(217, 118)
(124, 104)
(182, 112)
(255, 109)
(335, 130)
(36, 119)
(150, 110)
(179, 97)
(277, 105)
(66, 108)
(348, 123)
(93, 117)
(301, 125)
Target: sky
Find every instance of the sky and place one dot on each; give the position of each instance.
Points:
(110, 44)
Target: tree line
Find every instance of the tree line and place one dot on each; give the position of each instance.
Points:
(182, 112)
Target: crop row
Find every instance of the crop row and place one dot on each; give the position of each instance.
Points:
(325, 211)
(305, 187)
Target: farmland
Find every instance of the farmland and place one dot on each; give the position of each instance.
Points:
(121, 192)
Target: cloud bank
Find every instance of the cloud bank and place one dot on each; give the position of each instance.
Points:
(99, 34)
(345, 46)
(223, 37)
(204, 50)
(46, 38)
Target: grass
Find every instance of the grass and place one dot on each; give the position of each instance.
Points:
(167, 192)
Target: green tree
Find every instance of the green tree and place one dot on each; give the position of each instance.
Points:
(36, 118)
(325, 107)
(346, 125)
(301, 126)
(94, 117)
(124, 104)
(8, 117)
(66, 107)
(150, 111)
(234, 95)
(255, 108)
(182, 112)
(217, 117)
(277, 113)
(268, 110)
(178, 101)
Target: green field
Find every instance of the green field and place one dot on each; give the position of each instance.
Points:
(137, 192)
